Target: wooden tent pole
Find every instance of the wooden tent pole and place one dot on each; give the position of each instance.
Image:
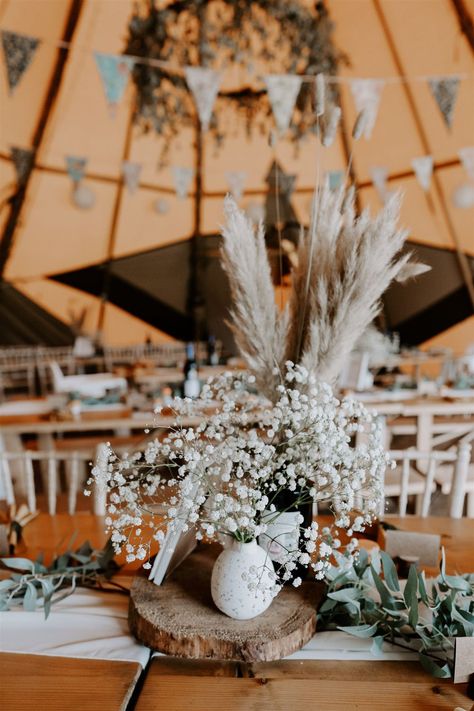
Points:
(18, 198)
(462, 259)
(466, 23)
(195, 301)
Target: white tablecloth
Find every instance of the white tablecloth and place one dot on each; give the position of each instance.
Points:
(87, 624)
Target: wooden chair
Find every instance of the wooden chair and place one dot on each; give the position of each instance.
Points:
(75, 466)
(465, 483)
(406, 479)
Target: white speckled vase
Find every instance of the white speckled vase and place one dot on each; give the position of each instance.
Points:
(231, 592)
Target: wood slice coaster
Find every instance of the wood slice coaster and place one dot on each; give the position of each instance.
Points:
(179, 617)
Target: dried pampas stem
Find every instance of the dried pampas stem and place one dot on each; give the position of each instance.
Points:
(341, 269)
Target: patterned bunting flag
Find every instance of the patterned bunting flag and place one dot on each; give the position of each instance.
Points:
(182, 180)
(466, 156)
(283, 90)
(18, 50)
(131, 173)
(204, 85)
(236, 181)
(445, 92)
(114, 71)
(287, 184)
(423, 168)
(379, 178)
(23, 159)
(76, 166)
(334, 178)
(367, 94)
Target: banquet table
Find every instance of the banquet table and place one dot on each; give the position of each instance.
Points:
(171, 684)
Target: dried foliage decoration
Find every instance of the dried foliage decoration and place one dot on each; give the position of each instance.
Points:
(344, 265)
(263, 36)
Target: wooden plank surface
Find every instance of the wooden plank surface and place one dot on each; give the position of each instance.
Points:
(51, 533)
(303, 686)
(29, 681)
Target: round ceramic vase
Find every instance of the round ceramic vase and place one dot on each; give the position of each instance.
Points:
(230, 591)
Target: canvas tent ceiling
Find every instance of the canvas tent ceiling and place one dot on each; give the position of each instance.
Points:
(383, 38)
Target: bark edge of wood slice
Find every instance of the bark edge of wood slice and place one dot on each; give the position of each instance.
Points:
(179, 618)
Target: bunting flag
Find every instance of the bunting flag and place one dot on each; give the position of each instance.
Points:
(23, 159)
(287, 184)
(445, 93)
(114, 71)
(466, 156)
(334, 178)
(423, 168)
(367, 94)
(379, 178)
(75, 167)
(236, 181)
(131, 173)
(283, 90)
(182, 178)
(18, 51)
(204, 85)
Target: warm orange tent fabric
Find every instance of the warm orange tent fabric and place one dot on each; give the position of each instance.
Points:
(383, 38)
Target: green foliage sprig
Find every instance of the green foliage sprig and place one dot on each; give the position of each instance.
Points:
(368, 600)
(36, 585)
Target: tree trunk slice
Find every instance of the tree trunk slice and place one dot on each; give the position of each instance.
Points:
(179, 617)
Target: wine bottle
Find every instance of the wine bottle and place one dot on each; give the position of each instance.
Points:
(212, 354)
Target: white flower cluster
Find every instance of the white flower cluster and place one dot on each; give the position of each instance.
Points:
(225, 476)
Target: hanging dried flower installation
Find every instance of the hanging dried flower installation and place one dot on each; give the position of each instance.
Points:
(252, 39)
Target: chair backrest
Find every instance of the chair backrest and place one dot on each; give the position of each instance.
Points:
(75, 466)
(408, 460)
(57, 373)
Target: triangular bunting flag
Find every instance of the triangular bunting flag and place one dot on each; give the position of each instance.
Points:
(23, 159)
(75, 167)
(423, 168)
(367, 94)
(182, 180)
(445, 92)
(18, 50)
(204, 85)
(114, 70)
(287, 184)
(131, 173)
(379, 178)
(283, 90)
(467, 159)
(334, 178)
(236, 181)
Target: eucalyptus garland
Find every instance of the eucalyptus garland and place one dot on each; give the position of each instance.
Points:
(33, 585)
(264, 36)
(368, 600)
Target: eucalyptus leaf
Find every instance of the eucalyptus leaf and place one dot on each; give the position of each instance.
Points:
(30, 598)
(362, 631)
(19, 564)
(345, 595)
(389, 571)
(435, 668)
(376, 648)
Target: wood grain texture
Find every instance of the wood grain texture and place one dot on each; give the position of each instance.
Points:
(328, 686)
(40, 682)
(180, 619)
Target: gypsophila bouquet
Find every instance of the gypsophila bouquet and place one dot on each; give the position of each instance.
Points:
(224, 475)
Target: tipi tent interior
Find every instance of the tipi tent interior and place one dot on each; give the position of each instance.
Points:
(128, 257)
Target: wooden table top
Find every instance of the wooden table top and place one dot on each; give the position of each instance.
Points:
(33, 681)
(300, 686)
(179, 685)
(50, 534)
